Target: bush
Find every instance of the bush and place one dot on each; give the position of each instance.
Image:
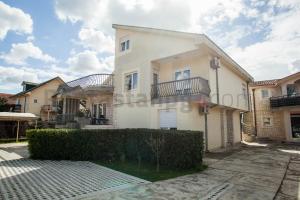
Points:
(170, 148)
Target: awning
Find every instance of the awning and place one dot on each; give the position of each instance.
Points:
(12, 116)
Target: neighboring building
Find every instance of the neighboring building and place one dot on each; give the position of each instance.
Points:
(177, 80)
(276, 108)
(6, 97)
(37, 98)
(87, 101)
(7, 104)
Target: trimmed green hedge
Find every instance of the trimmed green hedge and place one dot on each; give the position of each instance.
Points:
(174, 149)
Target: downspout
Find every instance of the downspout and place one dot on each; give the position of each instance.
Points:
(206, 129)
(25, 101)
(248, 99)
(254, 112)
(217, 86)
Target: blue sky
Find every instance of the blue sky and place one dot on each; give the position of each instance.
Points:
(71, 38)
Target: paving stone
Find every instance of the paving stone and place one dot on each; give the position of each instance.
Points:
(238, 192)
(267, 183)
(35, 179)
(281, 196)
(291, 188)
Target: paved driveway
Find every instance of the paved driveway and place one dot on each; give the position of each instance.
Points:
(268, 172)
(36, 179)
(250, 173)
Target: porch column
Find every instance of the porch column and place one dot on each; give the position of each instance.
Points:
(64, 105)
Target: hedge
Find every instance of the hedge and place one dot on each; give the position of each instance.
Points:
(170, 148)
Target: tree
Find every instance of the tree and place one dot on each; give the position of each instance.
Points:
(156, 143)
(3, 101)
(3, 104)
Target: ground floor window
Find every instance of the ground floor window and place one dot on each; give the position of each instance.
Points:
(168, 119)
(295, 124)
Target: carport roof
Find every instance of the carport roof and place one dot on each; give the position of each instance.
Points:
(12, 116)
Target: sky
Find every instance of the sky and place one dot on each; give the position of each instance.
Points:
(72, 38)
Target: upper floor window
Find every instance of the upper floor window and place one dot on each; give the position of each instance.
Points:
(184, 74)
(124, 45)
(131, 81)
(264, 93)
(35, 101)
(291, 89)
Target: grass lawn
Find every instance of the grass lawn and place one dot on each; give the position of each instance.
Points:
(147, 171)
(11, 140)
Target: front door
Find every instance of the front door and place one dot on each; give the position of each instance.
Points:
(99, 110)
(295, 123)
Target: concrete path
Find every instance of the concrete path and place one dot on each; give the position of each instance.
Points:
(250, 173)
(22, 178)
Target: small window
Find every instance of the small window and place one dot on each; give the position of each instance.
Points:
(35, 101)
(267, 121)
(131, 81)
(124, 45)
(264, 93)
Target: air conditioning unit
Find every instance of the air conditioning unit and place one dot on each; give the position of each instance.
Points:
(215, 63)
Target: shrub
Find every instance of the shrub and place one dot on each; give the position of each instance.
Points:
(170, 148)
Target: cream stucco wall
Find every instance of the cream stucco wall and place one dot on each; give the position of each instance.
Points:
(43, 95)
(134, 109)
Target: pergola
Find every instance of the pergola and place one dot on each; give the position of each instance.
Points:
(17, 117)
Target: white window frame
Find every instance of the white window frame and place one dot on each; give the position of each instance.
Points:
(270, 121)
(127, 44)
(98, 108)
(131, 78)
(262, 95)
(188, 85)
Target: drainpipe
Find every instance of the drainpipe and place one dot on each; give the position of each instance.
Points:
(254, 111)
(206, 128)
(25, 100)
(217, 86)
(248, 99)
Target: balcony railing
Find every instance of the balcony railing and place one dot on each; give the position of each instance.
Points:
(49, 108)
(180, 88)
(286, 100)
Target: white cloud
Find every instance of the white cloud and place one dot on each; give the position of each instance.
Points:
(12, 77)
(278, 54)
(171, 14)
(87, 62)
(13, 19)
(96, 40)
(20, 52)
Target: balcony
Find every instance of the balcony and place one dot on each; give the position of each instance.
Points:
(195, 89)
(286, 100)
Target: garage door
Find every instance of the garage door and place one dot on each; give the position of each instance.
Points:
(168, 119)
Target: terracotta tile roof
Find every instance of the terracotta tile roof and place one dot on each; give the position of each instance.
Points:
(272, 82)
(6, 96)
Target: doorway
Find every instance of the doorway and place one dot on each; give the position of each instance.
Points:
(295, 124)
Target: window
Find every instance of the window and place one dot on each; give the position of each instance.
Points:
(267, 121)
(183, 85)
(35, 101)
(291, 89)
(124, 45)
(131, 81)
(185, 74)
(264, 93)
(244, 90)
